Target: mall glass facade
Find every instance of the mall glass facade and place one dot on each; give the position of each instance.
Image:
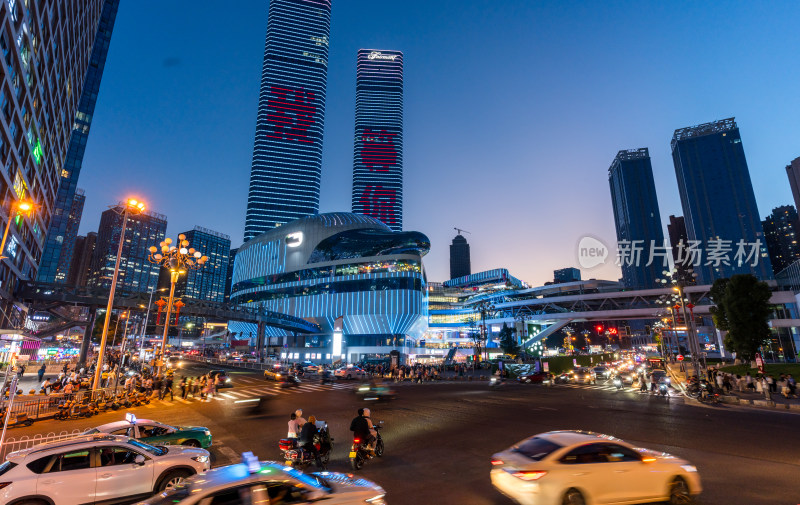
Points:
(287, 152)
(331, 266)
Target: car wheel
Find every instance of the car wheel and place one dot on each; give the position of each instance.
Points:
(172, 480)
(30, 502)
(379, 448)
(349, 377)
(679, 492)
(573, 497)
(191, 443)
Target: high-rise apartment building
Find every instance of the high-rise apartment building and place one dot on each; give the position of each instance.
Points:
(229, 274)
(63, 229)
(287, 152)
(46, 50)
(208, 282)
(70, 222)
(81, 260)
(459, 257)
(718, 201)
(569, 274)
(781, 232)
(793, 171)
(136, 273)
(637, 219)
(378, 151)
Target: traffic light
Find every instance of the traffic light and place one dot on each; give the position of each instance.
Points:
(612, 331)
(599, 328)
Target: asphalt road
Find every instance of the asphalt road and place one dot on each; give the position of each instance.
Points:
(439, 437)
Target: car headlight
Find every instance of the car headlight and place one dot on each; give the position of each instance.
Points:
(208, 433)
(228, 379)
(201, 459)
(689, 468)
(376, 500)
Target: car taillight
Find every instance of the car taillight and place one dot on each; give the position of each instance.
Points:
(356, 440)
(496, 462)
(530, 474)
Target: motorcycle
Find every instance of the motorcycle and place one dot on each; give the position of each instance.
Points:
(496, 381)
(287, 381)
(618, 382)
(16, 419)
(375, 392)
(359, 453)
(662, 389)
(299, 457)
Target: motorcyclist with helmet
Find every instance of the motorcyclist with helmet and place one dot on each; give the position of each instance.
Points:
(362, 428)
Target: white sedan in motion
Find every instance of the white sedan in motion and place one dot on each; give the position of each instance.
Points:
(579, 468)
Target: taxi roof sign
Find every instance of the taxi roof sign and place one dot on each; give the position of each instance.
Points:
(130, 417)
(251, 461)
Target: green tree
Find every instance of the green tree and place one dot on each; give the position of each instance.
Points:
(743, 310)
(508, 342)
(97, 331)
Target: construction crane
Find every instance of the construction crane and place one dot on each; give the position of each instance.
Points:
(459, 230)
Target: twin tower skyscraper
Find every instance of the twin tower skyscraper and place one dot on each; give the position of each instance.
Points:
(287, 154)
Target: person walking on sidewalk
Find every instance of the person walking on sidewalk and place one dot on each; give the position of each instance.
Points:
(167, 389)
(41, 372)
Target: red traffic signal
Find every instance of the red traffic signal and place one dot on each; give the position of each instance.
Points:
(599, 328)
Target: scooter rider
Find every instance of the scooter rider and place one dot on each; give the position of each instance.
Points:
(305, 439)
(361, 427)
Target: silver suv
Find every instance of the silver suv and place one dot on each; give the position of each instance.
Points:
(95, 468)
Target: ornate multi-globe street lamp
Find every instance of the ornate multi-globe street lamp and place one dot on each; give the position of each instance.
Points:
(178, 259)
(126, 209)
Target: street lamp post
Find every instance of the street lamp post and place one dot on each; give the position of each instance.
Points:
(178, 259)
(484, 308)
(130, 207)
(679, 281)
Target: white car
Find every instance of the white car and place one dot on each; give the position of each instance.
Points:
(271, 482)
(578, 468)
(95, 468)
(350, 372)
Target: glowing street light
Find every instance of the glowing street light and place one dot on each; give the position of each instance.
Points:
(18, 207)
(130, 207)
(178, 259)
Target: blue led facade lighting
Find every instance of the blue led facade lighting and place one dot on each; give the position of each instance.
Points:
(336, 265)
(378, 150)
(287, 152)
(63, 229)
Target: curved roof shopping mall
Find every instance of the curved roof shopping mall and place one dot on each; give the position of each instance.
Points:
(331, 266)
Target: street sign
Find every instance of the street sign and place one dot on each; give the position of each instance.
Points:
(680, 357)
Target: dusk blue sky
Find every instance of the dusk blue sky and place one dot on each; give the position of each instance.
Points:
(514, 111)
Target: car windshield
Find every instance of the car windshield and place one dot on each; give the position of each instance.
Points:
(582, 370)
(536, 448)
(156, 451)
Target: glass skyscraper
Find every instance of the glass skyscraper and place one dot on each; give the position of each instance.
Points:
(287, 153)
(378, 152)
(718, 200)
(136, 273)
(637, 219)
(63, 229)
(46, 50)
(780, 233)
(208, 282)
(459, 257)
